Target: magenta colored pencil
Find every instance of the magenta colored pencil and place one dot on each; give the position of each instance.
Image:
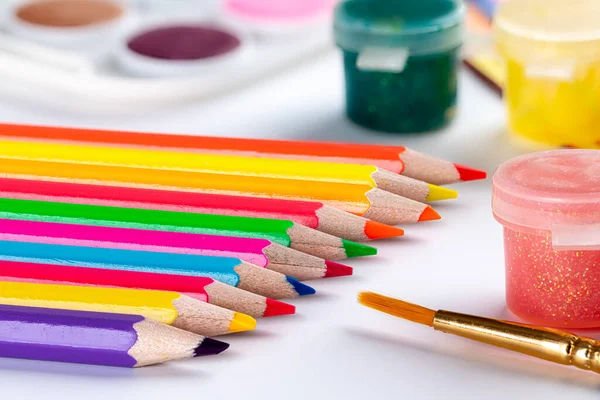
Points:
(260, 252)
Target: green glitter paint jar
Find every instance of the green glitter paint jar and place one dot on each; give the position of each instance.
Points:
(401, 61)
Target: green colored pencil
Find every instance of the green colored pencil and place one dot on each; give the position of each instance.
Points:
(283, 232)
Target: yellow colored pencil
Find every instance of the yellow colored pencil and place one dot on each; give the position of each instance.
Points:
(367, 175)
(372, 203)
(170, 308)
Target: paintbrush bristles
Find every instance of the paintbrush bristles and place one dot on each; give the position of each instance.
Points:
(396, 307)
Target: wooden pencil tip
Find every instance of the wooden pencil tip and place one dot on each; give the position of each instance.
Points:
(469, 174)
(429, 214)
(336, 269)
(376, 230)
(275, 308)
(397, 308)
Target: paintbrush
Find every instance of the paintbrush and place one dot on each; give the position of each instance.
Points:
(548, 344)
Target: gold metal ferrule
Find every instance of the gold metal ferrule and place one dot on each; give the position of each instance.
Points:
(548, 344)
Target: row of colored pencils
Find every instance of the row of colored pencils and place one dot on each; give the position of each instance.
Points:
(130, 249)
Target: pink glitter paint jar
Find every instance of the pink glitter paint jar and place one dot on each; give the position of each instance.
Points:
(549, 205)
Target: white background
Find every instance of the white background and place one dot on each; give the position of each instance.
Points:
(334, 348)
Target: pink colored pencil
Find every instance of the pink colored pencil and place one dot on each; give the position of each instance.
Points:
(260, 252)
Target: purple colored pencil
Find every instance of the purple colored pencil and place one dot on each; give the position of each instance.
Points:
(85, 337)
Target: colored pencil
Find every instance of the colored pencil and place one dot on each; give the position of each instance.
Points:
(259, 252)
(231, 271)
(312, 214)
(200, 288)
(362, 200)
(397, 159)
(285, 233)
(170, 308)
(216, 164)
(84, 337)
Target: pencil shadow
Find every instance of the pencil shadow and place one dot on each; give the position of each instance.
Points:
(406, 240)
(321, 294)
(94, 371)
(443, 207)
(510, 362)
(260, 333)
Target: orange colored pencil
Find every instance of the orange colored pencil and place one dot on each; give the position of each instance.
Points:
(371, 203)
(398, 159)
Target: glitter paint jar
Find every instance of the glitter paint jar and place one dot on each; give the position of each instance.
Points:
(552, 53)
(400, 59)
(549, 205)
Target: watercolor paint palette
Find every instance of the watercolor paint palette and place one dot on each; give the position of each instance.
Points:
(139, 54)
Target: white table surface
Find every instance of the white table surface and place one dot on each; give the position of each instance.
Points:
(333, 348)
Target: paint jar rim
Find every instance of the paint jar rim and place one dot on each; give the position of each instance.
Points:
(556, 191)
(548, 30)
(419, 27)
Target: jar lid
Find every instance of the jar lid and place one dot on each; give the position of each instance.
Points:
(556, 191)
(548, 29)
(423, 26)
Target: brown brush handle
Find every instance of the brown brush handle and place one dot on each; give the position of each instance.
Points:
(548, 344)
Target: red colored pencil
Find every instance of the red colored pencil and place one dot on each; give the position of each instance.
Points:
(396, 159)
(312, 214)
(200, 288)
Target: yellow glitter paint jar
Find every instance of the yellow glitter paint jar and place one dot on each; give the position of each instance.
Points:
(549, 205)
(552, 53)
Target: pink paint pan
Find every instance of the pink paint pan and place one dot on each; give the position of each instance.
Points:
(274, 18)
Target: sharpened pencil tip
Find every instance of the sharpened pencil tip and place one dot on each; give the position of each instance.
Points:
(210, 347)
(440, 193)
(376, 230)
(469, 174)
(429, 214)
(336, 269)
(275, 308)
(241, 322)
(354, 249)
(301, 288)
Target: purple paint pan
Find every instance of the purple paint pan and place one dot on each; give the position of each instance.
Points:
(182, 49)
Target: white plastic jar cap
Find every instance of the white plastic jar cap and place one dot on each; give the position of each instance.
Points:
(550, 29)
(556, 191)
